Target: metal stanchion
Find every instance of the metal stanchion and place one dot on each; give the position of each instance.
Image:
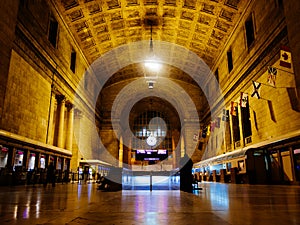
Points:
(73, 178)
(150, 180)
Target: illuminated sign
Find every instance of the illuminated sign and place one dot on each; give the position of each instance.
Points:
(297, 151)
(151, 154)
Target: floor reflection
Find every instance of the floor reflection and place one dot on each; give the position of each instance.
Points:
(143, 182)
(214, 204)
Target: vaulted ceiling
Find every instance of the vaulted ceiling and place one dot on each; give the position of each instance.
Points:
(201, 26)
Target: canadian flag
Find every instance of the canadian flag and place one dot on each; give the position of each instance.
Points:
(285, 57)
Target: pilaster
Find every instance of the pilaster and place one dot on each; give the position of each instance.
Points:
(60, 137)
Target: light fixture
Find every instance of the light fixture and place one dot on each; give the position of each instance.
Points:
(151, 65)
(151, 83)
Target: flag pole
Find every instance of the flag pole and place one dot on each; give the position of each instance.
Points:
(282, 70)
(275, 86)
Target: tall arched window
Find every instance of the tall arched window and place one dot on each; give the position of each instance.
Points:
(156, 124)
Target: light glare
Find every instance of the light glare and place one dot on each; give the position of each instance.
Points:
(153, 66)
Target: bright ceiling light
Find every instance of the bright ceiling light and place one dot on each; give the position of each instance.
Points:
(152, 65)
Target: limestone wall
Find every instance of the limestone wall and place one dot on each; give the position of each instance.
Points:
(8, 19)
(273, 115)
(27, 101)
(33, 70)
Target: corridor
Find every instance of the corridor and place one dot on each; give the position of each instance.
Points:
(215, 204)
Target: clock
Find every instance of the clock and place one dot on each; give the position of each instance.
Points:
(151, 140)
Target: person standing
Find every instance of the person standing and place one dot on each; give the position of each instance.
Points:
(51, 174)
(186, 177)
(86, 174)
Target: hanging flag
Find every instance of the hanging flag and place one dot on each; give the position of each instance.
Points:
(212, 126)
(243, 99)
(233, 108)
(272, 71)
(256, 89)
(208, 130)
(195, 137)
(217, 122)
(285, 57)
(200, 145)
(225, 116)
(204, 132)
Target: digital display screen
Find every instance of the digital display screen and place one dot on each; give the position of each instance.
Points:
(151, 154)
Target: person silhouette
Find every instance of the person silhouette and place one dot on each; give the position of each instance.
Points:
(51, 174)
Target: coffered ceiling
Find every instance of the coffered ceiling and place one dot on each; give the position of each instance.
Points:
(201, 26)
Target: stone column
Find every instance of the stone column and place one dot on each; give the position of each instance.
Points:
(129, 154)
(60, 136)
(51, 119)
(48, 160)
(294, 181)
(121, 152)
(55, 162)
(182, 147)
(74, 163)
(26, 159)
(174, 152)
(69, 139)
(176, 147)
(11, 157)
(37, 160)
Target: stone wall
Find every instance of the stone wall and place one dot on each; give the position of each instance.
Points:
(33, 70)
(8, 18)
(273, 115)
(27, 101)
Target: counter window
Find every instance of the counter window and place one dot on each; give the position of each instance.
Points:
(42, 162)
(31, 161)
(3, 156)
(19, 158)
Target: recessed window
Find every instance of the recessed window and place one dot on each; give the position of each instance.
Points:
(73, 61)
(249, 31)
(229, 61)
(53, 32)
(236, 127)
(142, 130)
(245, 112)
(217, 74)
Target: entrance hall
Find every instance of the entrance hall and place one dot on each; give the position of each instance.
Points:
(150, 112)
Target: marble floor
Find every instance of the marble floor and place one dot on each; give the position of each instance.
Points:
(215, 204)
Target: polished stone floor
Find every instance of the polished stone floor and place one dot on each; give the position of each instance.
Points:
(215, 204)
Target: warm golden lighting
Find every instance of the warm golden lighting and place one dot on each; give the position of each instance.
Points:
(153, 65)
